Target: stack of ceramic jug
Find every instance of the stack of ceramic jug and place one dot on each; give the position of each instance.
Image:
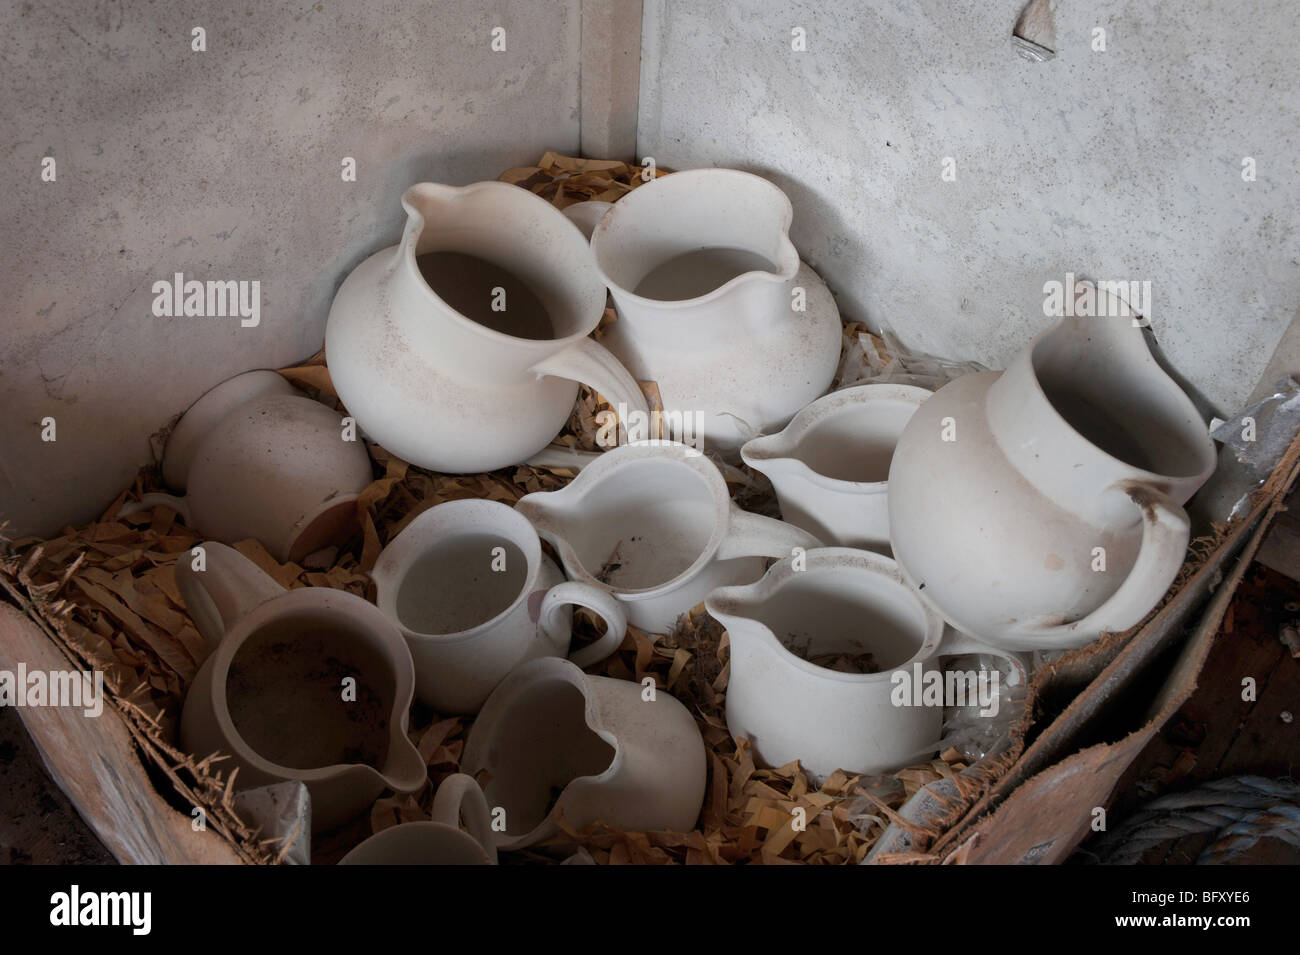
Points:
(1007, 512)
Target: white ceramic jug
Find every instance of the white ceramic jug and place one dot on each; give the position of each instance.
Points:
(1039, 507)
(840, 604)
(653, 524)
(276, 467)
(273, 692)
(612, 754)
(439, 841)
(714, 304)
(830, 465)
(451, 393)
(474, 596)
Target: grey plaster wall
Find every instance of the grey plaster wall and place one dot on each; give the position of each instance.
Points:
(1122, 164)
(224, 164)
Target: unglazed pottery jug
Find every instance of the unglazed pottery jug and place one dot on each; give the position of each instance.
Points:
(819, 656)
(277, 467)
(469, 587)
(830, 465)
(312, 684)
(653, 524)
(482, 371)
(1039, 507)
(714, 304)
(613, 753)
(439, 841)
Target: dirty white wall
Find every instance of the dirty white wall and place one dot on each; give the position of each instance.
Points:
(223, 164)
(1122, 164)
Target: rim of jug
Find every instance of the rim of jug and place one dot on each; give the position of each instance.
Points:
(316, 599)
(786, 269)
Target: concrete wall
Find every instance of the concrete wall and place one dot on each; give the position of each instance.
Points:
(224, 164)
(1123, 164)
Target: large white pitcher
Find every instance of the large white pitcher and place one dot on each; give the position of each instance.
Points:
(739, 357)
(1038, 507)
(448, 393)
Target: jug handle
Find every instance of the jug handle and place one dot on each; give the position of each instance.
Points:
(1165, 532)
(154, 498)
(753, 535)
(461, 793)
(591, 363)
(229, 586)
(594, 599)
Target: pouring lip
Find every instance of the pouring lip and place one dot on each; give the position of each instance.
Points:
(543, 347)
(781, 447)
(782, 570)
(253, 622)
(624, 456)
(786, 269)
(390, 574)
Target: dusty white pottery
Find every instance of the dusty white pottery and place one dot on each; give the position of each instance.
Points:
(614, 755)
(440, 840)
(653, 524)
(842, 601)
(276, 468)
(445, 392)
(251, 625)
(830, 465)
(478, 566)
(741, 358)
(1008, 491)
(204, 415)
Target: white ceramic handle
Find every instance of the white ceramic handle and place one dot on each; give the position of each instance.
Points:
(229, 586)
(956, 643)
(1165, 532)
(177, 504)
(593, 598)
(460, 793)
(752, 535)
(589, 362)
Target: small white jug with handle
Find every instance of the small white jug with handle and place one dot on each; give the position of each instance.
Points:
(652, 524)
(793, 632)
(469, 587)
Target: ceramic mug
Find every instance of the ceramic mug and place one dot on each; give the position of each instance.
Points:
(469, 587)
(839, 606)
(652, 524)
(311, 684)
(439, 841)
(276, 468)
(830, 464)
(612, 755)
